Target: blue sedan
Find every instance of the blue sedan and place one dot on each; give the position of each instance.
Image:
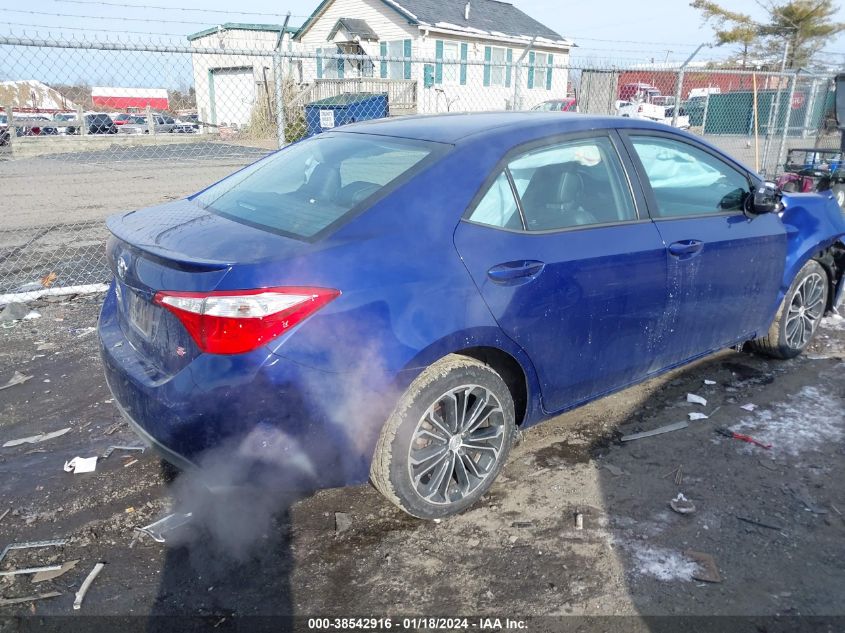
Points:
(392, 299)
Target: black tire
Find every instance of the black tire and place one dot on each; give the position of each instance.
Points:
(421, 422)
(782, 341)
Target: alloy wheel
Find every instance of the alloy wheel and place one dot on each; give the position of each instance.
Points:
(805, 311)
(457, 444)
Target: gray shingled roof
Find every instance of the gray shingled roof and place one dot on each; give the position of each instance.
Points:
(354, 26)
(486, 15)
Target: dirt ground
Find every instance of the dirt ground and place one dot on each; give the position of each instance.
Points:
(772, 519)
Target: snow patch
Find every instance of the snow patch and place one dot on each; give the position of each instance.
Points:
(663, 564)
(834, 322)
(806, 421)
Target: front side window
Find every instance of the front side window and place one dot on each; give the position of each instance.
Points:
(688, 181)
(310, 185)
(566, 185)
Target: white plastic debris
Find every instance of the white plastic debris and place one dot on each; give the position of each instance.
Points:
(709, 382)
(81, 465)
(80, 595)
(17, 379)
(682, 505)
(35, 439)
(694, 399)
(695, 415)
(32, 314)
(749, 407)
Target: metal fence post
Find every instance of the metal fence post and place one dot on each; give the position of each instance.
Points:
(704, 115)
(278, 79)
(13, 132)
(680, 83)
(789, 99)
(151, 124)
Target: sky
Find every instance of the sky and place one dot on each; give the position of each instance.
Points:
(620, 31)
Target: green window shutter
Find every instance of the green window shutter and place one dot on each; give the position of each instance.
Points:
(508, 62)
(383, 53)
(407, 46)
(530, 69)
(487, 54)
(341, 63)
(551, 60)
(464, 49)
(438, 65)
(319, 63)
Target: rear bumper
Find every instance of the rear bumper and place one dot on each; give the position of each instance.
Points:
(255, 406)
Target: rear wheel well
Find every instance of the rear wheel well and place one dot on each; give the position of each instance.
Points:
(832, 259)
(511, 372)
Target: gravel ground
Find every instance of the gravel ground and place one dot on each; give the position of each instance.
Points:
(771, 519)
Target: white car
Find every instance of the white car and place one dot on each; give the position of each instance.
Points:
(652, 112)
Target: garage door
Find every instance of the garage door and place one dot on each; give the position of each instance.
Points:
(233, 96)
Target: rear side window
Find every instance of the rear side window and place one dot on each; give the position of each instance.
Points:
(688, 181)
(309, 186)
(566, 185)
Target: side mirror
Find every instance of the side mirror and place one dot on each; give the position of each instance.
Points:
(766, 199)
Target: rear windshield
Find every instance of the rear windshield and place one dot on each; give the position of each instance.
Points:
(310, 185)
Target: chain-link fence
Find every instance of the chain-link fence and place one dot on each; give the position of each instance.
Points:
(92, 128)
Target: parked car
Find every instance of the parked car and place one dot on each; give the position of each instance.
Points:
(4, 130)
(556, 105)
(34, 125)
(139, 124)
(187, 124)
(95, 123)
(64, 117)
(122, 118)
(390, 300)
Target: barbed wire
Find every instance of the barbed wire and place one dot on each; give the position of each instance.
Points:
(125, 5)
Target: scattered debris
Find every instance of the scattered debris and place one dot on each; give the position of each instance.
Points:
(664, 564)
(681, 504)
(46, 347)
(32, 315)
(707, 570)
(31, 545)
(835, 509)
(130, 463)
(111, 449)
(80, 595)
(114, 427)
(157, 529)
(709, 382)
(695, 415)
(342, 522)
(50, 575)
(35, 439)
(748, 407)
(82, 332)
(768, 464)
(579, 521)
(801, 494)
(48, 279)
(760, 523)
(29, 570)
(522, 524)
(80, 465)
(16, 379)
(14, 312)
(614, 470)
(739, 436)
(4, 602)
(658, 431)
(694, 399)
(3, 516)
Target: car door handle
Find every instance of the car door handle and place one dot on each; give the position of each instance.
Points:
(518, 271)
(686, 248)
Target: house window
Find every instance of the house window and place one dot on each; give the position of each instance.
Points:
(396, 70)
(540, 73)
(497, 66)
(451, 62)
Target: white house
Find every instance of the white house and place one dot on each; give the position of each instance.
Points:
(475, 44)
(228, 86)
(483, 55)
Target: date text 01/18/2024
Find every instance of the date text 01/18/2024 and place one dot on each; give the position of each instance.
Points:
(417, 623)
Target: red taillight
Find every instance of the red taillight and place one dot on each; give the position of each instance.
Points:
(238, 321)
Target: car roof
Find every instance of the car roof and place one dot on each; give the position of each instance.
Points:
(519, 126)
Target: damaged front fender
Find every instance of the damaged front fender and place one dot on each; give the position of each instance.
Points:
(815, 229)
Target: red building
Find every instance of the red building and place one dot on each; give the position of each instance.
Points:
(129, 99)
(664, 80)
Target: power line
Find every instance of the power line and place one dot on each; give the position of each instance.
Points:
(92, 29)
(101, 17)
(171, 8)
